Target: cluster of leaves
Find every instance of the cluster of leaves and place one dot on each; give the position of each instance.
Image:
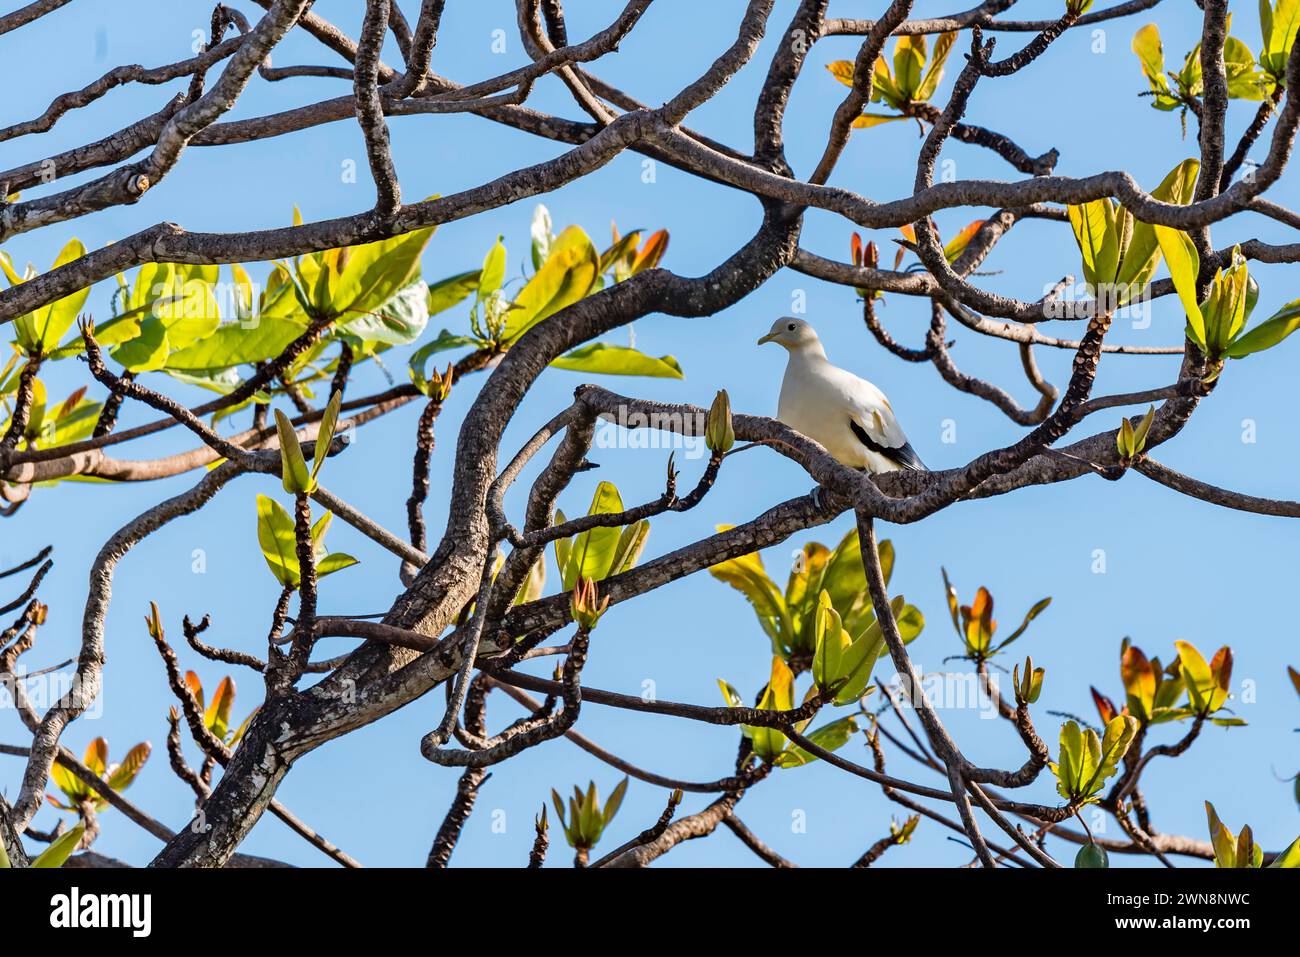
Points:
(789, 618)
(1086, 760)
(771, 744)
(71, 420)
(1121, 253)
(216, 714)
(952, 249)
(1028, 684)
(566, 269)
(1153, 693)
(116, 776)
(1132, 439)
(1217, 324)
(866, 255)
(276, 533)
(1247, 78)
(276, 536)
(600, 552)
(914, 79)
(823, 622)
(38, 333)
(169, 317)
(975, 624)
(1241, 851)
(842, 662)
(902, 833)
(587, 819)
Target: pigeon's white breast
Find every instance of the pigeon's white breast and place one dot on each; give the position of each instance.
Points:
(820, 401)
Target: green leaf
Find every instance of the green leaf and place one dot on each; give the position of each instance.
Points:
(565, 277)
(1288, 859)
(1151, 55)
(605, 359)
(593, 551)
(54, 320)
(1268, 333)
(325, 435)
(614, 803)
(1094, 226)
(957, 245)
(72, 786)
(747, 575)
(1142, 256)
(1223, 840)
(493, 273)
(1244, 81)
(1279, 31)
(909, 60)
(275, 534)
(1143, 429)
(419, 362)
(1033, 613)
(400, 320)
(934, 72)
(447, 293)
(830, 642)
(563, 546)
(1118, 735)
(883, 86)
(621, 253)
(61, 848)
(122, 776)
(334, 562)
(188, 306)
(1069, 760)
(858, 659)
(217, 717)
(829, 737)
(148, 351)
(295, 477)
(1225, 309)
(1196, 675)
(1180, 255)
(730, 695)
(631, 542)
(233, 344)
(376, 271)
(778, 696)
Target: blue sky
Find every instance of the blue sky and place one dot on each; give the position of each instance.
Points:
(1174, 568)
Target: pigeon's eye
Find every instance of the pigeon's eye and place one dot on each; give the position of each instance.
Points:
(791, 327)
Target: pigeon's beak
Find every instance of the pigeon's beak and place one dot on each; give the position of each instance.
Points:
(770, 337)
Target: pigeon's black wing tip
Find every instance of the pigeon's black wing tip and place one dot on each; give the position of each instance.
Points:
(907, 458)
(904, 456)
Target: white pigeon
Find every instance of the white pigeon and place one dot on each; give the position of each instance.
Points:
(847, 415)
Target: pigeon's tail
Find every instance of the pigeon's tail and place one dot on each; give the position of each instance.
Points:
(907, 458)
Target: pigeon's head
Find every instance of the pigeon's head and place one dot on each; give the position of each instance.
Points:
(793, 334)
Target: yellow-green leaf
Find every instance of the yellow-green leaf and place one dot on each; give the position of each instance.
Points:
(294, 475)
(603, 358)
(1180, 256)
